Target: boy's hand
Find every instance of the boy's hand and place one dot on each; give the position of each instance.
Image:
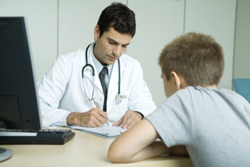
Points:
(129, 119)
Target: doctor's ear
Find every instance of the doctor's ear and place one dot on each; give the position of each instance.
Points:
(96, 32)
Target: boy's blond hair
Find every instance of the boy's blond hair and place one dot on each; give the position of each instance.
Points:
(197, 57)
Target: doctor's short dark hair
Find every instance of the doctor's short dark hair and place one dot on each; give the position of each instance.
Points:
(198, 58)
(119, 17)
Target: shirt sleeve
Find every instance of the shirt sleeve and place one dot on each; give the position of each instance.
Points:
(173, 119)
(62, 121)
(51, 89)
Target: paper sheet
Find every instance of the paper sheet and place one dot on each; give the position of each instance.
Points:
(106, 131)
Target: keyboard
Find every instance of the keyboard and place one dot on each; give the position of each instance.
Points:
(43, 136)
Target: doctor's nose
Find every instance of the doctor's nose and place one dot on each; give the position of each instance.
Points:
(117, 51)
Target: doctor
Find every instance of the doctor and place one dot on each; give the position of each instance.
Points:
(100, 83)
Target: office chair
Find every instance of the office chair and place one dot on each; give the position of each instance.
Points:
(242, 86)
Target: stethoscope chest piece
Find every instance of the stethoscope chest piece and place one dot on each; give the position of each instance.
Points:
(119, 98)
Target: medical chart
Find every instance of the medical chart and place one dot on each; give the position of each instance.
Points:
(106, 130)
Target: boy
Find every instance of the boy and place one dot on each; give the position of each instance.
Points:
(211, 125)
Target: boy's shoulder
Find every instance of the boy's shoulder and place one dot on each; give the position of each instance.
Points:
(213, 96)
(199, 94)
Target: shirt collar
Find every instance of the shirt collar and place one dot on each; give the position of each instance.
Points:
(98, 65)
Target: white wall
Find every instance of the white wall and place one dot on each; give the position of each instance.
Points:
(41, 23)
(77, 20)
(242, 40)
(158, 22)
(216, 18)
(62, 26)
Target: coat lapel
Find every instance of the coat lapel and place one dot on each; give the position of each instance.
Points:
(113, 83)
(88, 70)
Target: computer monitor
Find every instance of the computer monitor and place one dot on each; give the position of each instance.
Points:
(19, 108)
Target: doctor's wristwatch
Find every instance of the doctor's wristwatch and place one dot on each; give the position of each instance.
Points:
(142, 116)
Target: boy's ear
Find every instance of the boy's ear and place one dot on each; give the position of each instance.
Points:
(96, 32)
(177, 80)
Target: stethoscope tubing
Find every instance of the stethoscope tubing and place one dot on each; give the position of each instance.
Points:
(93, 73)
(87, 64)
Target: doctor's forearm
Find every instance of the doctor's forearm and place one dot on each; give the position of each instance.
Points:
(72, 119)
(75, 118)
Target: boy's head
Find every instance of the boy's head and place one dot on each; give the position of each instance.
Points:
(192, 59)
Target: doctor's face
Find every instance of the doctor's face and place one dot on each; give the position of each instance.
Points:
(110, 46)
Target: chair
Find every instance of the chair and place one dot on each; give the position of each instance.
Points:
(242, 86)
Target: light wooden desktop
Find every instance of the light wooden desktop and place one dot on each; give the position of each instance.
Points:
(85, 150)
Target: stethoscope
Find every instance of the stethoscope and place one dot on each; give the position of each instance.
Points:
(119, 97)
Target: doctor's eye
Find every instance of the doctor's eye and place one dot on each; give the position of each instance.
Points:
(112, 42)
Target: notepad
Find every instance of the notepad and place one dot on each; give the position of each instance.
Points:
(105, 131)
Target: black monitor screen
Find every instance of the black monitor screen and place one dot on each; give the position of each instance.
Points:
(18, 100)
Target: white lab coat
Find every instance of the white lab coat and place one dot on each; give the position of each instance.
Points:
(61, 90)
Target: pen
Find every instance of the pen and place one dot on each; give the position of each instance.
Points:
(97, 106)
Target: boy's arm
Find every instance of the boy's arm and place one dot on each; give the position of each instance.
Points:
(139, 143)
(136, 144)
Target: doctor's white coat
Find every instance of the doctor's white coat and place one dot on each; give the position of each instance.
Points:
(61, 90)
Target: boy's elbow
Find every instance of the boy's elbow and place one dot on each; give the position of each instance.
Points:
(114, 156)
(118, 154)
(111, 157)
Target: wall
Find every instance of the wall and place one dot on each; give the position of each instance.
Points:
(77, 19)
(216, 18)
(41, 24)
(158, 23)
(241, 67)
(57, 27)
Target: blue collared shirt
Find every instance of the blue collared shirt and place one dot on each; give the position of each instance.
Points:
(99, 68)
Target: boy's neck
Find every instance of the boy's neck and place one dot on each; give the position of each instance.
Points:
(210, 86)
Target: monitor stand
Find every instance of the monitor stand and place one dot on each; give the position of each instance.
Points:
(5, 154)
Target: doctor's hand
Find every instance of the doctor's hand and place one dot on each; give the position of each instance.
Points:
(129, 119)
(92, 118)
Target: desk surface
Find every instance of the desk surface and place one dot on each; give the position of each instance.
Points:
(83, 150)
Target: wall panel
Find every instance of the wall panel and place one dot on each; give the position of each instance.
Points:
(242, 40)
(158, 22)
(41, 24)
(77, 20)
(216, 18)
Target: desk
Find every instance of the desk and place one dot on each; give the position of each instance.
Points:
(84, 150)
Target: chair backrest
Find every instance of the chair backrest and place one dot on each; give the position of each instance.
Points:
(242, 86)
